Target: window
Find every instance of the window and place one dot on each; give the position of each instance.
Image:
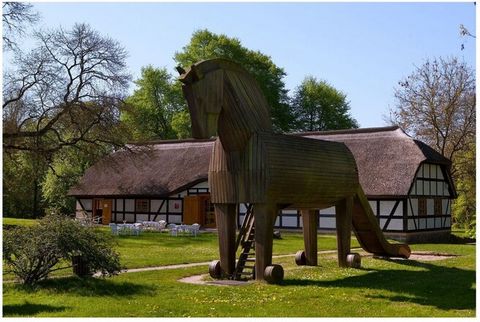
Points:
(422, 207)
(142, 205)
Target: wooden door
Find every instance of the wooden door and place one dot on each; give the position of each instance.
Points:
(191, 210)
(106, 211)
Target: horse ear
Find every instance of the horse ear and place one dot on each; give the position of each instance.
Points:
(196, 73)
(180, 70)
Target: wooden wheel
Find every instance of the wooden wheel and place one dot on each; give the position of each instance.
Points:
(354, 260)
(215, 269)
(273, 274)
(300, 258)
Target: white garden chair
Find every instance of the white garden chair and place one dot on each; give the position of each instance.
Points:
(173, 229)
(114, 228)
(195, 228)
(162, 224)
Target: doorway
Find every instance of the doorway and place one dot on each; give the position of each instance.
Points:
(198, 209)
(102, 208)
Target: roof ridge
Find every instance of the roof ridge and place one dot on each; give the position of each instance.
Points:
(328, 132)
(171, 141)
(350, 131)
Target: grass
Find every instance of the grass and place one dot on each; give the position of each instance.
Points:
(18, 221)
(381, 288)
(164, 249)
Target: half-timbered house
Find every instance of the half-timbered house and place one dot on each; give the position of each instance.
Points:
(408, 184)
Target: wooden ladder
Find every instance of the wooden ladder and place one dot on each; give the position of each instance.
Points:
(245, 267)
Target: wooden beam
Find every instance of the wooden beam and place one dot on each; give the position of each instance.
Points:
(264, 216)
(309, 219)
(225, 215)
(344, 210)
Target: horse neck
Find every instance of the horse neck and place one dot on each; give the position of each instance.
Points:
(244, 112)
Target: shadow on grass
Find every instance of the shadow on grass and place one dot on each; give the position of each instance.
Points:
(29, 309)
(93, 287)
(445, 288)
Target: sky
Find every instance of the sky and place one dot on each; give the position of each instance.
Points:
(362, 49)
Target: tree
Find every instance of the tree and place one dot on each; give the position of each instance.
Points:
(436, 104)
(206, 45)
(23, 174)
(32, 253)
(65, 170)
(318, 106)
(181, 124)
(152, 106)
(464, 208)
(16, 17)
(65, 92)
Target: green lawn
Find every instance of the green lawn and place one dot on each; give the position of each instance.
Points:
(18, 221)
(154, 249)
(380, 288)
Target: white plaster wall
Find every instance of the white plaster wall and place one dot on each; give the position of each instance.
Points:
(174, 206)
(395, 224)
(328, 211)
(155, 204)
(130, 205)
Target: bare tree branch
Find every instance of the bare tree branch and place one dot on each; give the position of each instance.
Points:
(436, 104)
(67, 91)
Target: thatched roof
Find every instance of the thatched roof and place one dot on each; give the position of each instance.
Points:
(387, 161)
(387, 158)
(147, 170)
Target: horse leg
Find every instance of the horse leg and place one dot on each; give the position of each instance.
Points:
(225, 215)
(343, 216)
(265, 215)
(309, 256)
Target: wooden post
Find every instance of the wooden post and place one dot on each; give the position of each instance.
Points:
(225, 215)
(309, 219)
(343, 216)
(264, 219)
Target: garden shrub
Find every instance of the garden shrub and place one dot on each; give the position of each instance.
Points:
(31, 253)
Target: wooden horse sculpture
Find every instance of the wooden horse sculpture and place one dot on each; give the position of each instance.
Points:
(251, 164)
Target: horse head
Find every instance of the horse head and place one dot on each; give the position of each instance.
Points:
(204, 94)
(224, 99)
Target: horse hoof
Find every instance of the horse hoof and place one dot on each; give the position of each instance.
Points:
(273, 274)
(215, 269)
(354, 260)
(300, 258)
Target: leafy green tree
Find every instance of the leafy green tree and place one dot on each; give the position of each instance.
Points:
(464, 208)
(23, 174)
(318, 106)
(181, 124)
(206, 45)
(150, 109)
(65, 170)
